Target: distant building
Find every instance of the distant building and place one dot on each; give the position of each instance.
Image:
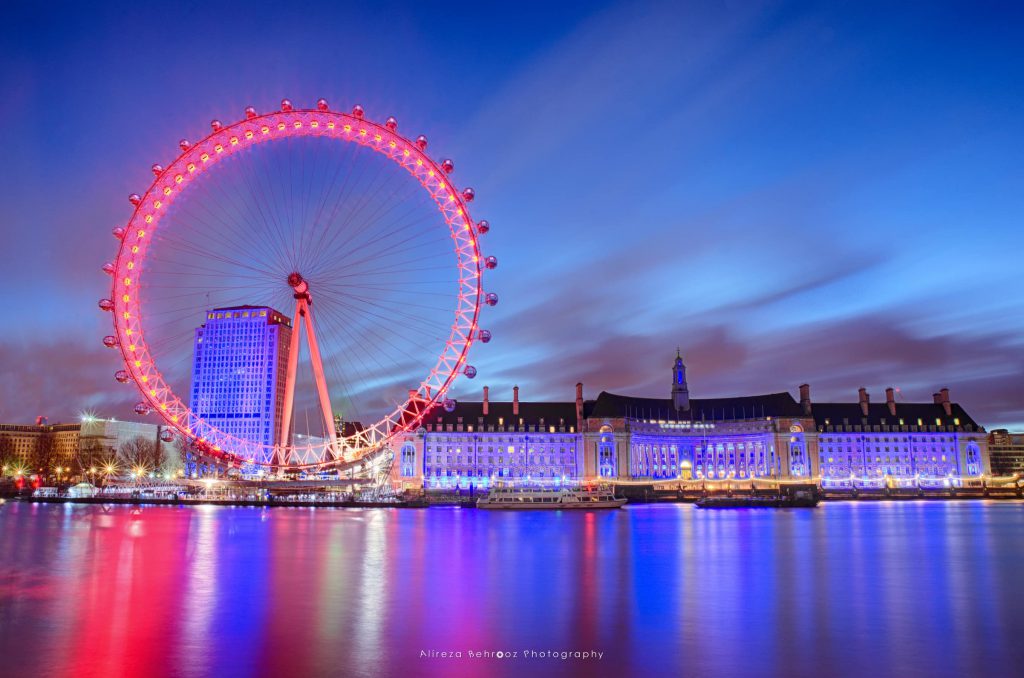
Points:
(933, 441)
(38, 448)
(1006, 451)
(101, 439)
(238, 371)
(631, 438)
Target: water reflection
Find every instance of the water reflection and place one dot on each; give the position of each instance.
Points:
(915, 588)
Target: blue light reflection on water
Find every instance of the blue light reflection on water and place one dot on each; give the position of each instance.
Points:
(913, 588)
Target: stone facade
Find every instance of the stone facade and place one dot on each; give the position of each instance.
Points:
(651, 439)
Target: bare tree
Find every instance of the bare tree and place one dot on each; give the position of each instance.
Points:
(94, 456)
(43, 454)
(8, 458)
(138, 452)
(159, 457)
(89, 454)
(174, 456)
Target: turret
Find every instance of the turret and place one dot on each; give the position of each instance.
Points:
(680, 392)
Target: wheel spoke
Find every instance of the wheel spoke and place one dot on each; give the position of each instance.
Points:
(387, 266)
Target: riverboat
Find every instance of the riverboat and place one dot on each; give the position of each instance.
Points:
(558, 498)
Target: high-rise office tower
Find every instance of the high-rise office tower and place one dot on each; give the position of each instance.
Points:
(239, 366)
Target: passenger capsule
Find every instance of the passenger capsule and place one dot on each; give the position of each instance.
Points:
(449, 405)
(250, 112)
(491, 262)
(157, 169)
(118, 233)
(321, 104)
(468, 194)
(184, 144)
(357, 111)
(469, 371)
(421, 142)
(216, 126)
(135, 199)
(141, 408)
(122, 376)
(491, 299)
(391, 123)
(167, 435)
(447, 165)
(483, 226)
(108, 268)
(484, 335)
(110, 341)
(106, 305)
(286, 105)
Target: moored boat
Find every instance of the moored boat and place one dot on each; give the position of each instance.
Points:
(558, 498)
(794, 500)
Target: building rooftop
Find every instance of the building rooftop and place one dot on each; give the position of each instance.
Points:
(272, 315)
(615, 406)
(500, 413)
(907, 414)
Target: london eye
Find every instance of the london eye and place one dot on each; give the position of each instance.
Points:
(298, 287)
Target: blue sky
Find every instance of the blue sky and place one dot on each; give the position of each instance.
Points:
(791, 192)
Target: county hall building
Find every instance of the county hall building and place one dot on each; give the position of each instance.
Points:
(623, 437)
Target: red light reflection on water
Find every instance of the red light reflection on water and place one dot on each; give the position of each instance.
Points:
(663, 589)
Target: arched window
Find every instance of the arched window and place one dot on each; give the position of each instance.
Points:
(408, 467)
(799, 463)
(606, 456)
(973, 459)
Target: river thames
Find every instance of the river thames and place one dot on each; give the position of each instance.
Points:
(847, 589)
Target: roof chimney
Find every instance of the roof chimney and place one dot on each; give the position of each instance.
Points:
(579, 407)
(936, 398)
(944, 399)
(486, 400)
(890, 400)
(805, 398)
(865, 400)
(515, 401)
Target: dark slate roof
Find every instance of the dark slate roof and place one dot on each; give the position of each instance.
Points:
(835, 413)
(612, 406)
(530, 412)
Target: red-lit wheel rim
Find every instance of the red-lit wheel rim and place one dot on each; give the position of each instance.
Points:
(188, 168)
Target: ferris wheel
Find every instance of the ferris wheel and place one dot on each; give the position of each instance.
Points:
(298, 287)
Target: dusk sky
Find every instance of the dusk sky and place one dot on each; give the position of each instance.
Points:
(827, 193)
